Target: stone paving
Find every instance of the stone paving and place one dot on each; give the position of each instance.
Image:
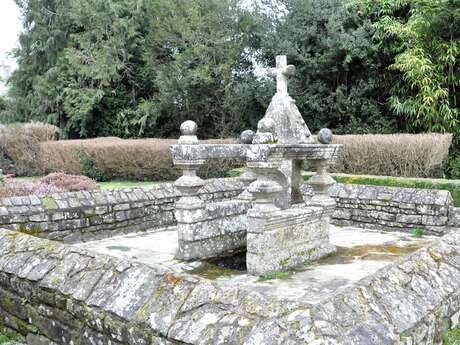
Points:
(360, 253)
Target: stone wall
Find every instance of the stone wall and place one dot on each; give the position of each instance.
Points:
(88, 215)
(52, 293)
(84, 216)
(402, 209)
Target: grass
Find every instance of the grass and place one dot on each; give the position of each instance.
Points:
(452, 186)
(125, 184)
(452, 337)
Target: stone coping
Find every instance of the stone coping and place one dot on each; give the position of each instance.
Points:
(413, 299)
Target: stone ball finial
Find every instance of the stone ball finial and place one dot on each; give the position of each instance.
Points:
(247, 136)
(325, 136)
(188, 128)
(266, 125)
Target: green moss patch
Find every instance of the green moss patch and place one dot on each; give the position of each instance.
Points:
(32, 231)
(5, 340)
(452, 337)
(49, 203)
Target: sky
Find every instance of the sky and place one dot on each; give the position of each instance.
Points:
(10, 26)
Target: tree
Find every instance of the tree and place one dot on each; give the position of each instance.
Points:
(427, 45)
(338, 81)
(135, 67)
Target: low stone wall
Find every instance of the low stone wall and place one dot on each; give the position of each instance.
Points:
(402, 209)
(52, 293)
(88, 215)
(85, 216)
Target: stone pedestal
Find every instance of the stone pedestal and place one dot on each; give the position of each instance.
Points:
(189, 208)
(285, 239)
(321, 182)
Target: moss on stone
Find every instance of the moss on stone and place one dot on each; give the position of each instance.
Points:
(88, 215)
(284, 262)
(452, 337)
(31, 231)
(5, 340)
(49, 203)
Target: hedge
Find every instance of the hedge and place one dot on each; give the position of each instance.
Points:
(406, 155)
(114, 158)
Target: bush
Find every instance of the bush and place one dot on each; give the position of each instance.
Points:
(114, 158)
(53, 183)
(69, 183)
(407, 155)
(22, 146)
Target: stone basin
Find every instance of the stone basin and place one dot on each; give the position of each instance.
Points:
(360, 253)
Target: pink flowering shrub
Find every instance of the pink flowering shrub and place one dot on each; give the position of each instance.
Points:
(52, 183)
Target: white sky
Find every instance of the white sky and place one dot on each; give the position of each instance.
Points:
(10, 26)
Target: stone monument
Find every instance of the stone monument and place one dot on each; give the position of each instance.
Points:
(271, 221)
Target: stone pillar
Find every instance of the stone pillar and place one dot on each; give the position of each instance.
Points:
(296, 181)
(266, 188)
(321, 182)
(265, 191)
(189, 208)
(248, 177)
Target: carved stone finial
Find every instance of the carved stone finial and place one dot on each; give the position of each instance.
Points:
(266, 132)
(247, 136)
(188, 131)
(325, 136)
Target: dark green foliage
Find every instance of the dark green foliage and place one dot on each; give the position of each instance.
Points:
(453, 168)
(90, 168)
(337, 83)
(135, 68)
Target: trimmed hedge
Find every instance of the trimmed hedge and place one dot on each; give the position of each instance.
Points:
(20, 146)
(114, 158)
(406, 155)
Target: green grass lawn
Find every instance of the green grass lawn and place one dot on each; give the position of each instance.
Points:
(125, 184)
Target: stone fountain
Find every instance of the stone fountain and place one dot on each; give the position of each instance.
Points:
(270, 220)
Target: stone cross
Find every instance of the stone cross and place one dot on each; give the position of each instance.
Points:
(282, 72)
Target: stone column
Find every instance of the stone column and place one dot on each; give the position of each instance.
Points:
(265, 191)
(189, 208)
(321, 182)
(266, 188)
(296, 181)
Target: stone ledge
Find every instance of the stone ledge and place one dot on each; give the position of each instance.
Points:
(124, 302)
